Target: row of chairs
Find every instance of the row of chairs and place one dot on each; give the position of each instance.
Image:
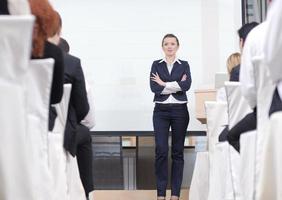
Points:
(221, 173)
(33, 163)
(217, 174)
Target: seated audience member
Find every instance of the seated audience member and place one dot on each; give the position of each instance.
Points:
(46, 19)
(232, 61)
(243, 33)
(77, 139)
(89, 119)
(249, 122)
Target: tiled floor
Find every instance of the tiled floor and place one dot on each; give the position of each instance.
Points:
(132, 195)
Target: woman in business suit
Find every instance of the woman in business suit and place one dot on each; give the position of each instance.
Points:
(170, 80)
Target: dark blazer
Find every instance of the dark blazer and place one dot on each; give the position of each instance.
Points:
(177, 72)
(235, 74)
(78, 105)
(4, 7)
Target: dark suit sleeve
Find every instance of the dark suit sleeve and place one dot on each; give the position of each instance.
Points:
(185, 85)
(58, 77)
(79, 93)
(156, 88)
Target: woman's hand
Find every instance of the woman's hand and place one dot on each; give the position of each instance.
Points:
(184, 77)
(156, 78)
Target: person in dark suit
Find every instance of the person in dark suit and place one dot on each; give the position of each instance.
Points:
(249, 122)
(46, 20)
(170, 80)
(243, 33)
(77, 138)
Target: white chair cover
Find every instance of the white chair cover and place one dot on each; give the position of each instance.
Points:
(19, 7)
(15, 45)
(199, 188)
(222, 171)
(265, 89)
(270, 182)
(57, 154)
(75, 187)
(15, 163)
(217, 118)
(63, 166)
(237, 109)
(220, 185)
(248, 160)
(39, 82)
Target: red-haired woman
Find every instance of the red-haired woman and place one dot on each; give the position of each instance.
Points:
(46, 20)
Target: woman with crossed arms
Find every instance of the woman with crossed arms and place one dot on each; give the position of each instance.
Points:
(170, 80)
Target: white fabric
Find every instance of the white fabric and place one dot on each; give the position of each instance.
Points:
(75, 188)
(171, 87)
(256, 83)
(254, 75)
(222, 171)
(89, 119)
(218, 156)
(279, 87)
(63, 166)
(39, 82)
(15, 45)
(199, 188)
(248, 159)
(237, 109)
(221, 94)
(18, 7)
(217, 118)
(273, 41)
(235, 166)
(16, 167)
(237, 105)
(270, 183)
(57, 154)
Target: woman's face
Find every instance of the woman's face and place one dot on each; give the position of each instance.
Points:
(170, 46)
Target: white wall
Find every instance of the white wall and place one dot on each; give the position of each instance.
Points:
(118, 40)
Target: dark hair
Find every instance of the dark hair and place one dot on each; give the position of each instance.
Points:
(170, 36)
(245, 29)
(64, 45)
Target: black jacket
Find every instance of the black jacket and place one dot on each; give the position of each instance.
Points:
(4, 7)
(78, 104)
(235, 74)
(176, 74)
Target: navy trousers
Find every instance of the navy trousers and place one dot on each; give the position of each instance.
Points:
(84, 158)
(165, 116)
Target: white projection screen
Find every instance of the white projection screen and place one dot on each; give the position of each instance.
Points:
(117, 41)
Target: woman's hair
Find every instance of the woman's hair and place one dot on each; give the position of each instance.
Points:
(46, 20)
(232, 61)
(170, 36)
